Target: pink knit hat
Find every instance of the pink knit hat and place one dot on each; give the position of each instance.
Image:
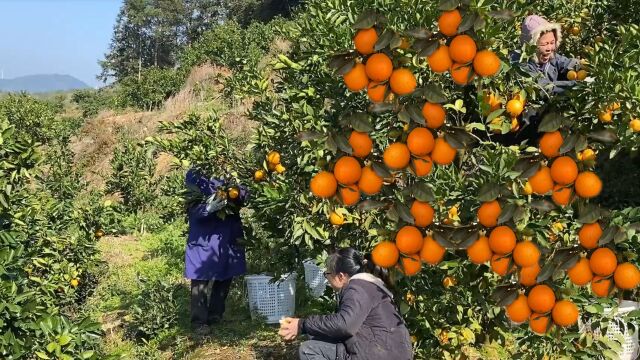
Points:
(533, 26)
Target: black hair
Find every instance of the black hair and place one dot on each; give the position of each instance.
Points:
(349, 261)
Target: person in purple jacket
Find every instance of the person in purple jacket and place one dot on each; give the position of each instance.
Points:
(213, 254)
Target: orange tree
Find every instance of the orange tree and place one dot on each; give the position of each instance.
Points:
(389, 123)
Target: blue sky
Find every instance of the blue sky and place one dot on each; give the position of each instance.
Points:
(55, 36)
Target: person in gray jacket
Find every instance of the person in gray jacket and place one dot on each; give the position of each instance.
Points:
(547, 66)
(367, 325)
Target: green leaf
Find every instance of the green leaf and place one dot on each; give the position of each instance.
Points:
(454, 141)
(384, 40)
(415, 113)
(546, 272)
(543, 205)
(488, 192)
(392, 214)
(87, 354)
(371, 205)
(381, 107)
(42, 355)
(426, 47)
(607, 235)
(479, 24)
(52, 346)
(588, 214)
(423, 192)
(568, 143)
(346, 67)
(503, 14)
(467, 21)
(380, 169)
(419, 33)
(605, 136)
(404, 308)
(366, 20)
(360, 122)
(508, 298)
(404, 212)
(330, 144)
(309, 135)
(447, 5)
(527, 168)
(467, 237)
(343, 143)
(551, 122)
(570, 262)
(507, 213)
(434, 94)
(442, 238)
(64, 340)
(494, 114)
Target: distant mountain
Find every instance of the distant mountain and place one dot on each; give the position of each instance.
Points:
(42, 83)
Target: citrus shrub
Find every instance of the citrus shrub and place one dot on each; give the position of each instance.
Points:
(470, 229)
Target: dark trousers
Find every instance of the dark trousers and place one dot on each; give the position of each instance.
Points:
(208, 307)
(318, 350)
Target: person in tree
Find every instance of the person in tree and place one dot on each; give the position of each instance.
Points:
(214, 254)
(367, 324)
(548, 66)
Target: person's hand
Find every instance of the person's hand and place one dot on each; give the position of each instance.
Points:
(289, 328)
(215, 203)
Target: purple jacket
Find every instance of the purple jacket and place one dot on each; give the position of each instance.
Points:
(212, 251)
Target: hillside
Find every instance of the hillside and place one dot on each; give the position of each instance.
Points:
(42, 83)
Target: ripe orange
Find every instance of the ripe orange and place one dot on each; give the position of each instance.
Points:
(461, 74)
(626, 276)
(580, 274)
(479, 252)
(432, 252)
(421, 165)
(385, 254)
(539, 323)
(541, 298)
(605, 116)
(565, 313)
(379, 67)
(462, 49)
(422, 213)
(564, 170)
(420, 141)
(589, 235)
(526, 253)
(486, 63)
(434, 115)
(518, 311)
(324, 185)
(409, 239)
(634, 125)
(515, 107)
(361, 144)
(502, 240)
(370, 182)
(336, 218)
(347, 170)
(376, 91)
(561, 195)
(601, 286)
(588, 185)
(349, 195)
(528, 275)
(501, 264)
(443, 153)
(365, 40)
(402, 81)
(550, 144)
(488, 213)
(440, 61)
(449, 21)
(356, 79)
(603, 262)
(396, 156)
(411, 265)
(541, 182)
